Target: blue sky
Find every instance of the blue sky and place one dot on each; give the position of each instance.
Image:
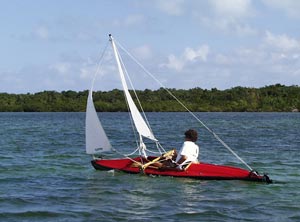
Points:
(55, 45)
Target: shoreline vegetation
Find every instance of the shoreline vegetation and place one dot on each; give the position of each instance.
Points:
(272, 98)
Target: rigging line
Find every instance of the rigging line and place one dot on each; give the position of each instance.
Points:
(159, 149)
(133, 89)
(159, 146)
(127, 157)
(98, 66)
(130, 154)
(207, 128)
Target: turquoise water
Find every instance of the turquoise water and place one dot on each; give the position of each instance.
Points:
(46, 175)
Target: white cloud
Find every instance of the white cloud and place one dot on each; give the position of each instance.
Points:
(189, 55)
(11, 81)
(61, 67)
(233, 61)
(42, 32)
(232, 8)
(229, 16)
(85, 73)
(296, 73)
(174, 63)
(171, 7)
(221, 59)
(245, 30)
(282, 42)
(130, 20)
(289, 7)
(229, 25)
(134, 20)
(88, 67)
(274, 60)
(143, 52)
(200, 53)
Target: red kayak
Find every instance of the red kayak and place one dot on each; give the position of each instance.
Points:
(97, 141)
(194, 170)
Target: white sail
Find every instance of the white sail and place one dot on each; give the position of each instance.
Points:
(138, 120)
(96, 139)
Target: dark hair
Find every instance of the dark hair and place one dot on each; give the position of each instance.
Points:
(191, 135)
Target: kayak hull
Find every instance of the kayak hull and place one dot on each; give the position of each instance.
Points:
(203, 171)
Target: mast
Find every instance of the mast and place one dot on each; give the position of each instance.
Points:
(140, 124)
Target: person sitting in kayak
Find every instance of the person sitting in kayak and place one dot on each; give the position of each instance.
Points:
(188, 153)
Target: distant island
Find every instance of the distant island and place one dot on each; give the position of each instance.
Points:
(272, 98)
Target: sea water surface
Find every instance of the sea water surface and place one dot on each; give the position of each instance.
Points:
(46, 175)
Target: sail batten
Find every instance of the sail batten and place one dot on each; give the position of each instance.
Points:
(138, 120)
(96, 139)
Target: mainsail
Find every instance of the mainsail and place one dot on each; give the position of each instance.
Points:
(138, 120)
(96, 139)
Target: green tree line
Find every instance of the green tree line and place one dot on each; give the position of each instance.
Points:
(273, 98)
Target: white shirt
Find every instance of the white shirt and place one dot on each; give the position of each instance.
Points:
(190, 150)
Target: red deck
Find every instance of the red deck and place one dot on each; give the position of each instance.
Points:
(195, 170)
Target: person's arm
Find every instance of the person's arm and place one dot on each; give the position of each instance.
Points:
(181, 160)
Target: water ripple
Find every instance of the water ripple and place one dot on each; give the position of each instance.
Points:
(46, 175)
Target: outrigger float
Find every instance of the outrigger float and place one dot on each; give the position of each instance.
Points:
(97, 142)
